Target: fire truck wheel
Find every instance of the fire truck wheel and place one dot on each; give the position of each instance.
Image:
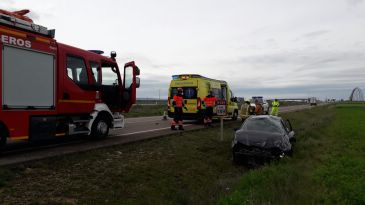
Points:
(100, 128)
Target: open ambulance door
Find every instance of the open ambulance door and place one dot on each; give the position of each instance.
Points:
(131, 83)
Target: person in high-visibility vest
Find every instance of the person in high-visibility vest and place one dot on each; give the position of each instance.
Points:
(178, 103)
(245, 110)
(275, 107)
(209, 103)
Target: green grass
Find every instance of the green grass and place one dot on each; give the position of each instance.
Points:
(146, 110)
(328, 166)
(196, 168)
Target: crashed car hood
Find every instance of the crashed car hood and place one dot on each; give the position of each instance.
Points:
(261, 139)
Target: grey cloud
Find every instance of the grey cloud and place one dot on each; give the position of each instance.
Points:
(315, 34)
(317, 64)
(7, 3)
(354, 2)
(319, 91)
(301, 59)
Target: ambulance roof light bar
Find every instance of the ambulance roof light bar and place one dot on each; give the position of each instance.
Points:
(25, 25)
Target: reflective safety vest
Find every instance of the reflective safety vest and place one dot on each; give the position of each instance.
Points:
(210, 101)
(179, 101)
(275, 103)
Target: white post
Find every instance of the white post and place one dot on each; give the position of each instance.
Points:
(221, 128)
(164, 117)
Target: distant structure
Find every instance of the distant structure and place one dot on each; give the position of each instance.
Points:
(356, 95)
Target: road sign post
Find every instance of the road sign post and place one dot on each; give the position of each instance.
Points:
(221, 112)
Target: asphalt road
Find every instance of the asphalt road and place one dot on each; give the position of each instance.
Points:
(147, 125)
(136, 129)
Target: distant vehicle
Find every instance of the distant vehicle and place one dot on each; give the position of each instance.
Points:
(262, 138)
(312, 101)
(263, 102)
(195, 89)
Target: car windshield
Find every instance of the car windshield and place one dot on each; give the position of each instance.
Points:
(262, 124)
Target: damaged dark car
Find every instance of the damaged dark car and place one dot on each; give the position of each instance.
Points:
(263, 138)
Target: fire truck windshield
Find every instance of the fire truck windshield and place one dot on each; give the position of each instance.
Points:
(109, 75)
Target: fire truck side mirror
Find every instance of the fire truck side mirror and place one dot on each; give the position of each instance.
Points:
(137, 71)
(138, 82)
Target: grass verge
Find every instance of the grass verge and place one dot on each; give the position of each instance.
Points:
(191, 167)
(328, 166)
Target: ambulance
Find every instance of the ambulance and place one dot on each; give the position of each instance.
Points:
(49, 89)
(195, 89)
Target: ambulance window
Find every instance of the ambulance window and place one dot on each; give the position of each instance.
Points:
(76, 70)
(190, 93)
(95, 71)
(216, 92)
(223, 93)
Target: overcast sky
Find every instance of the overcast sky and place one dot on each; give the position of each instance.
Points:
(282, 48)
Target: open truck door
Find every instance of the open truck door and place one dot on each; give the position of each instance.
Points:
(131, 83)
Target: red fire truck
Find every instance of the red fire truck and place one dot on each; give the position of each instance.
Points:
(49, 89)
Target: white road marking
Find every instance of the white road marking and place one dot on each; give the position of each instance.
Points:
(126, 122)
(144, 131)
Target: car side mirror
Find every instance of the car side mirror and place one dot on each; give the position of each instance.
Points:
(288, 124)
(292, 139)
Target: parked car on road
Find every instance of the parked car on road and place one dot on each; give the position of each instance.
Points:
(262, 138)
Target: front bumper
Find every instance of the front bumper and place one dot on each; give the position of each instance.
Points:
(251, 151)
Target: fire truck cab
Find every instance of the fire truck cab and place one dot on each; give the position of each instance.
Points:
(49, 89)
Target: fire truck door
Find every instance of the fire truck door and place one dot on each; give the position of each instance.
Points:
(131, 82)
(111, 87)
(76, 96)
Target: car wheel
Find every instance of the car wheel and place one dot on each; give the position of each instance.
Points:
(100, 128)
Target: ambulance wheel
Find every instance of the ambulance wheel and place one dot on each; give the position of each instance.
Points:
(100, 127)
